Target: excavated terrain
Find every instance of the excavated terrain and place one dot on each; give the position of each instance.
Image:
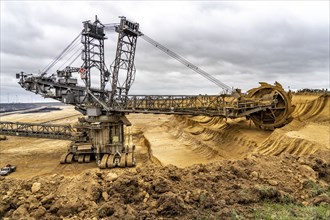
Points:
(188, 168)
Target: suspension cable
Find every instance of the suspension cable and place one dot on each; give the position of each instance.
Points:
(51, 64)
(73, 54)
(186, 62)
(78, 55)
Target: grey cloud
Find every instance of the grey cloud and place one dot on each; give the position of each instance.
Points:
(238, 44)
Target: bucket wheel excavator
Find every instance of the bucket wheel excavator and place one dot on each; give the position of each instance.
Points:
(104, 133)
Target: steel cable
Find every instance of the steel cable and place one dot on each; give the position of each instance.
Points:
(73, 54)
(60, 56)
(186, 62)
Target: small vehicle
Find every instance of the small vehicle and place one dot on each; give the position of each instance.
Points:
(7, 170)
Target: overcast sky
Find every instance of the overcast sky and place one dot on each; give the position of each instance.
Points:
(240, 43)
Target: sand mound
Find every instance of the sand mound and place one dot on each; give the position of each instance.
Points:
(212, 137)
(280, 142)
(317, 110)
(307, 133)
(216, 138)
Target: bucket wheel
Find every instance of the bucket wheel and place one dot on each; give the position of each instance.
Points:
(279, 114)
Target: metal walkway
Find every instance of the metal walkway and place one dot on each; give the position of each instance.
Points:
(52, 131)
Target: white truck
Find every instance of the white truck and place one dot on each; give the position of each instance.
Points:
(7, 170)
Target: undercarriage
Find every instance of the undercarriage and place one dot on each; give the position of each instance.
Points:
(103, 139)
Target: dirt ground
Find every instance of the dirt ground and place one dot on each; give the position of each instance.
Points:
(187, 168)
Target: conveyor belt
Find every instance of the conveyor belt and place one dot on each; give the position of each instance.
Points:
(36, 130)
